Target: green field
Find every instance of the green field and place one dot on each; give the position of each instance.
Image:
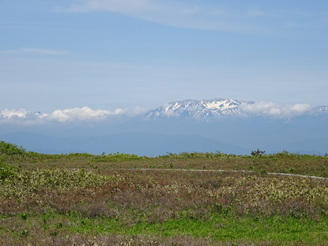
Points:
(176, 199)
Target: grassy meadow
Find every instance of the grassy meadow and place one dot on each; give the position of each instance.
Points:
(176, 199)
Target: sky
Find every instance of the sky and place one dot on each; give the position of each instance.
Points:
(132, 54)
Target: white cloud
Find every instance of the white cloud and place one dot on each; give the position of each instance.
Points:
(173, 13)
(81, 114)
(275, 109)
(202, 15)
(34, 51)
(19, 116)
(65, 115)
(9, 114)
(135, 111)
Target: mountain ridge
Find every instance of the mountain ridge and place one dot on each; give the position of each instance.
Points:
(221, 107)
(195, 109)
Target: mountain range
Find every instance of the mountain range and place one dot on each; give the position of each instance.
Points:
(225, 125)
(216, 108)
(193, 109)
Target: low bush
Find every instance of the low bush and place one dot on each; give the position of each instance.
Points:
(117, 157)
(11, 149)
(6, 171)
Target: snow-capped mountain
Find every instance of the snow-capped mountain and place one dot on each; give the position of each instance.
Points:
(320, 109)
(179, 126)
(219, 108)
(197, 109)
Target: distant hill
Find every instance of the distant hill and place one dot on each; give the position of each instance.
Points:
(149, 144)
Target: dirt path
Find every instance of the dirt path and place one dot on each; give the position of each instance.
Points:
(217, 170)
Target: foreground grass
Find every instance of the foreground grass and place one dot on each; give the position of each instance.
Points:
(219, 229)
(82, 199)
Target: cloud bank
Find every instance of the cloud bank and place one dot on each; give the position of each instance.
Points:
(9, 114)
(219, 16)
(82, 114)
(275, 109)
(186, 15)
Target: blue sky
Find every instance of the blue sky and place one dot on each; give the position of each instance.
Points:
(106, 54)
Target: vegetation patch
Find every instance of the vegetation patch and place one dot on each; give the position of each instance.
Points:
(122, 199)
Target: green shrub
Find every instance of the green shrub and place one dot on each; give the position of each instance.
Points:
(257, 152)
(11, 149)
(6, 171)
(117, 157)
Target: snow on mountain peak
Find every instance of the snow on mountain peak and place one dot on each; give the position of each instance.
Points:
(209, 109)
(197, 109)
(320, 109)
